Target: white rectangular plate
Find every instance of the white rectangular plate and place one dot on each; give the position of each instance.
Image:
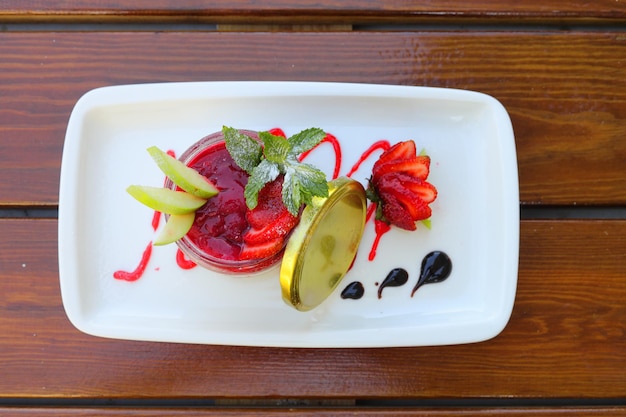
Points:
(475, 217)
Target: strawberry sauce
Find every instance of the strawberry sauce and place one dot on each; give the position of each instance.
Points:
(221, 223)
(380, 145)
(138, 272)
(183, 262)
(156, 220)
(336, 148)
(380, 227)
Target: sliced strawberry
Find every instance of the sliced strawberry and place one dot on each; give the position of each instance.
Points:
(269, 207)
(413, 204)
(417, 167)
(395, 213)
(423, 189)
(401, 150)
(421, 211)
(259, 218)
(263, 250)
(279, 228)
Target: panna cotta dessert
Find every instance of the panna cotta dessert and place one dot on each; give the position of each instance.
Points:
(226, 235)
(239, 202)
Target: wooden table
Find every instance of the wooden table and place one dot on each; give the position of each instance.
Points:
(558, 66)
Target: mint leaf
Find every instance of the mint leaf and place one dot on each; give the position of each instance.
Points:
(302, 182)
(245, 151)
(305, 140)
(276, 148)
(262, 174)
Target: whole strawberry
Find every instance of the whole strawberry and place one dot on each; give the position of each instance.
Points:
(399, 188)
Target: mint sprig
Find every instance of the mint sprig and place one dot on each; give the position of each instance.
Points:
(265, 161)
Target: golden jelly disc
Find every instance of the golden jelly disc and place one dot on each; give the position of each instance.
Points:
(323, 246)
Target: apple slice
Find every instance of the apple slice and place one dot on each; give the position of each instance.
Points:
(176, 227)
(166, 200)
(186, 178)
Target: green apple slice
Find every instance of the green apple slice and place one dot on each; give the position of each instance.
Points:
(166, 200)
(186, 178)
(176, 227)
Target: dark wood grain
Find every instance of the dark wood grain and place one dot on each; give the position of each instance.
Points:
(310, 11)
(565, 92)
(566, 338)
(318, 412)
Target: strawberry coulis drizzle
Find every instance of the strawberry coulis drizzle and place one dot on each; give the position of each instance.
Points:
(138, 272)
(336, 148)
(183, 262)
(327, 139)
(156, 219)
(380, 227)
(381, 144)
(371, 209)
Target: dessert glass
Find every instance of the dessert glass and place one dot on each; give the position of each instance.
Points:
(203, 244)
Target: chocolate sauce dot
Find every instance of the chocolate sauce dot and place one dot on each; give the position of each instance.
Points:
(395, 278)
(436, 267)
(354, 291)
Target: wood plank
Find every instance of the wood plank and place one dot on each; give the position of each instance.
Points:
(310, 11)
(321, 412)
(566, 338)
(565, 91)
